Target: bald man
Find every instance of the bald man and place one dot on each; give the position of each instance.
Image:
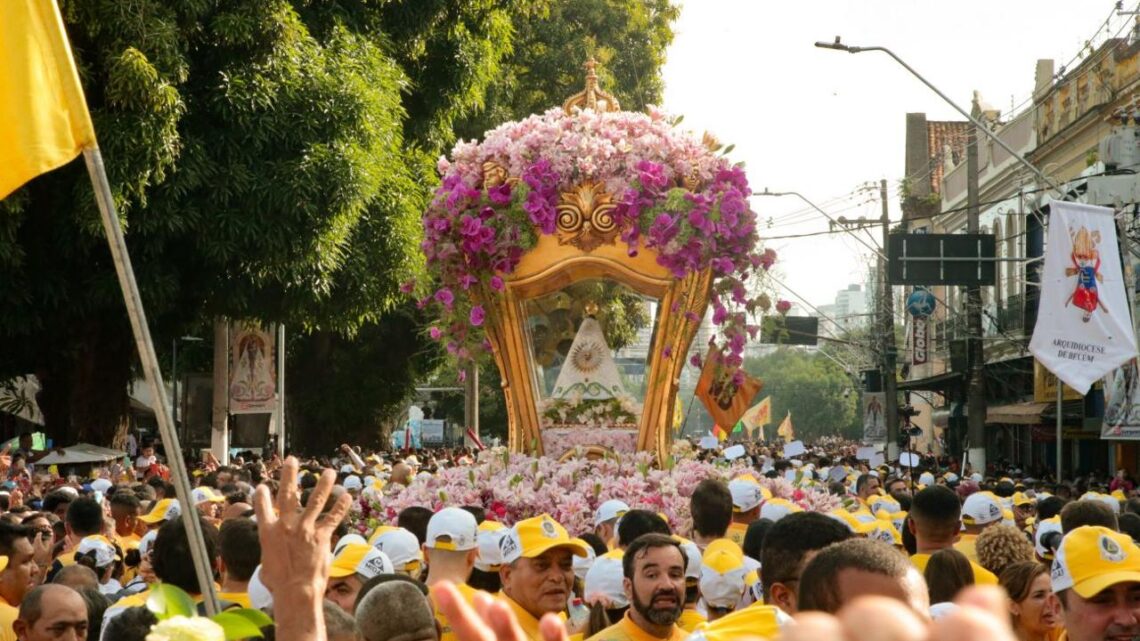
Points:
(52, 613)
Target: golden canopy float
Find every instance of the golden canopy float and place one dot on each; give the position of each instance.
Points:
(549, 239)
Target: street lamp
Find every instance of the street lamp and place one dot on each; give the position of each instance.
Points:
(839, 46)
(174, 378)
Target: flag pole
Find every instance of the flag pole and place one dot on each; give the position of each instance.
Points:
(153, 374)
(1060, 388)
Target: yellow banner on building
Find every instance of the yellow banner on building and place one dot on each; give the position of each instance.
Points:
(1045, 386)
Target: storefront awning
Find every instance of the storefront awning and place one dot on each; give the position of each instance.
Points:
(1016, 414)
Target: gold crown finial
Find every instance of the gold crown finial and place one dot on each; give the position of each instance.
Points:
(591, 97)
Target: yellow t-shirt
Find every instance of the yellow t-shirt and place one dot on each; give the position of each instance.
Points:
(627, 630)
(240, 598)
(8, 615)
(968, 544)
(757, 620)
(468, 593)
(736, 533)
(690, 619)
(982, 576)
(527, 622)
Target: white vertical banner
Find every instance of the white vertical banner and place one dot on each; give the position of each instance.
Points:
(1084, 326)
(253, 375)
(874, 419)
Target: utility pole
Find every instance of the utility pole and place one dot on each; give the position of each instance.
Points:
(470, 400)
(219, 424)
(976, 360)
(887, 307)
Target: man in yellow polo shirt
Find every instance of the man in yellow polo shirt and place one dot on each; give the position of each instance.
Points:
(935, 522)
(450, 550)
(537, 571)
(980, 510)
(1096, 576)
(654, 582)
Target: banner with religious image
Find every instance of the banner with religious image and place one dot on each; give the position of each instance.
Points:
(253, 370)
(1084, 325)
(1122, 403)
(874, 417)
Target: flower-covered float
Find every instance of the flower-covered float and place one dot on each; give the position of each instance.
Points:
(552, 229)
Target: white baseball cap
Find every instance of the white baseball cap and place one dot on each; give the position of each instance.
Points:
(981, 508)
(105, 553)
(746, 495)
(452, 528)
(402, 548)
(101, 485)
(1107, 499)
(353, 482)
(490, 556)
(610, 510)
(606, 579)
(776, 509)
(206, 494)
(692, 557)
(347, 468)
(147, 541)
(1051, 524)
(926, 478)
(348, 539)
(723, 574)
(582, 564)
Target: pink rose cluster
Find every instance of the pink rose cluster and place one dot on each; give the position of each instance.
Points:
(674, 194)
(512, 487)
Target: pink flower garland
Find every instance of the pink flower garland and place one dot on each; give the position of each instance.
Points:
(474, 236)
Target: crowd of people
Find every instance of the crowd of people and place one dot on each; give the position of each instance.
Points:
(944, 554)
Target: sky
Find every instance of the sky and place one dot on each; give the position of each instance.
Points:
(824, 123)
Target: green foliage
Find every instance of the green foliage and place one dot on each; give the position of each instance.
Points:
(813, 388)
(628, 38)
(258, 155)
(168, 601)
(270, 160)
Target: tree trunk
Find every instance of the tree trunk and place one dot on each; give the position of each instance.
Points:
(101, 369)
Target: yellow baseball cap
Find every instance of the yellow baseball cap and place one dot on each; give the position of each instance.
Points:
(847, 518)
(1020, 498)
(359, 558)
(1093, 558)
(533, 537)
(164, 510)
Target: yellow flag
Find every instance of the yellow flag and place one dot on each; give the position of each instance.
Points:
(786, 430)
(43, 117)
(758, 416)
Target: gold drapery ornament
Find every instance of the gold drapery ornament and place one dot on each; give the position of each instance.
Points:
(585, 217)
(591, 97)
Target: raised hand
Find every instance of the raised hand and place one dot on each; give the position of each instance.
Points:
(295, 545)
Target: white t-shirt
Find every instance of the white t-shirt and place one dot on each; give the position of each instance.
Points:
(144, 462)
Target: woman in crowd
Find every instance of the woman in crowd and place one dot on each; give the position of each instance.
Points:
(1034, 609)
